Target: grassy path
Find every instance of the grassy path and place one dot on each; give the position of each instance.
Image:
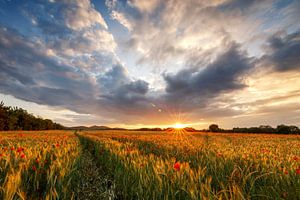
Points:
(91, 181)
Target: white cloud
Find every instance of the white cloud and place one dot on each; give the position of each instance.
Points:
(110, 3)
(144, 5)
(121, 19)
(83, 15)
(78, 33)
(180, 28)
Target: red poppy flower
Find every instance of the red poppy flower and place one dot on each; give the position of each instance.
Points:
(176, 166)
(22, 156)
(265, 151)
(298, 171)
(33, 168)
(20, 149)
(284, 194)
(296, 158)
(1, 154)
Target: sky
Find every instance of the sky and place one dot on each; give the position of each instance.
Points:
(152, 63)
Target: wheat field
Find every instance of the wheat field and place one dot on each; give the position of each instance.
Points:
(149, 165)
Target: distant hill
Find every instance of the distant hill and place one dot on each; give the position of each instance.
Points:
(99, 127)
(77, 128)
(93, 128)
(148, 129)
(89, 128)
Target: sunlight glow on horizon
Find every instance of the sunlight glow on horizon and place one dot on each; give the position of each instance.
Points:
(179, 125)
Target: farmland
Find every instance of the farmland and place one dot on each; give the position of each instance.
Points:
(149, 165)
(36, 165)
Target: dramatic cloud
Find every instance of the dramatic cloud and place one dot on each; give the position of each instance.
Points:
(174, 30)
(81, 14)
(138, 62)
(29, 73)
(144, 5)
(118, 89)
(122, 19)
(241, 5)
(285, 52)
(70, 28)
(200, 84)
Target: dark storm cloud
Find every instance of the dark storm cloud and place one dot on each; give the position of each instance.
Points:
(27, 73)
(285, 52)
(12, 72)
(118, 90)
(48, 17)
(200, 84)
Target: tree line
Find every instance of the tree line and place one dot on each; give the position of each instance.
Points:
(14, 118)
(280, 129)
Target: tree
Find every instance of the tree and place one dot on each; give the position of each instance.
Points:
(294, 129)
(14, 118)
(266, 129)
(283, 129)
(213, 128)
(3, 116)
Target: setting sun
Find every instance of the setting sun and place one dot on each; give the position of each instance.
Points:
(179, 126)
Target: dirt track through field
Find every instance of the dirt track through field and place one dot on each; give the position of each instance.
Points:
(92, 183)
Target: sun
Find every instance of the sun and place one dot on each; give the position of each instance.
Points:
(179, 126)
